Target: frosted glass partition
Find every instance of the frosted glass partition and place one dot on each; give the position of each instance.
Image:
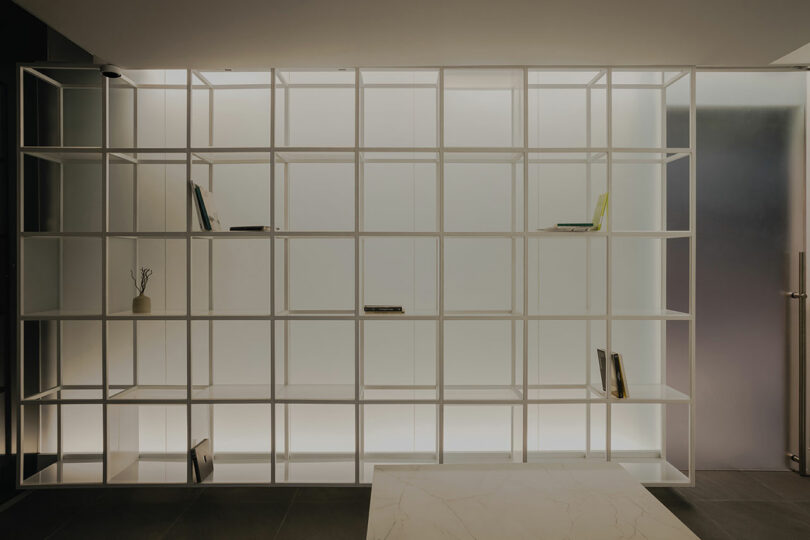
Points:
(395, 291)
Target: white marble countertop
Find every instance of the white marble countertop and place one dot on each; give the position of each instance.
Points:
(513, 501)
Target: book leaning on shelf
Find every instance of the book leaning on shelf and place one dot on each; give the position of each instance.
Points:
(206, 210)
(618, 386)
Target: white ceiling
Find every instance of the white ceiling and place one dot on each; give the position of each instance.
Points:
(324, 33)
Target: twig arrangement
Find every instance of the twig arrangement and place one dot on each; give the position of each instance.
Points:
(146, 273)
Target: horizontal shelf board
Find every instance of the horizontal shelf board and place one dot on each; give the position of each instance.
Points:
(168, 393)
(234, 471)
(655, 473)
(483, 394)
(398, 394)
(67, 472)
(666, 314)
(654, 393)
(314, 392)
(315, 472)
(575, 395)
(152, 472)
(232, 392)
(155, 314)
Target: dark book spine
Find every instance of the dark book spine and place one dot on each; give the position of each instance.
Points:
(201, 206)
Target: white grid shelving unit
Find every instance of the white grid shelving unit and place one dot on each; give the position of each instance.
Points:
(428, 188)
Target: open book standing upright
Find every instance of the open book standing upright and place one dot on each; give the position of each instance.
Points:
(594, 225)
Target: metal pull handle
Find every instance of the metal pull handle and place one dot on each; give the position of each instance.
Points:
(801, 296)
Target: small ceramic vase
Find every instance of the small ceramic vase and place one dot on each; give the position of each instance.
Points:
(141, 304)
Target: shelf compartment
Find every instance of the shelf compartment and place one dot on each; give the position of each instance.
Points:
(147, 109)
(651, 192)
(146, 360)
(314, 276)
(564, 105)
(147, 193)
(231, 359)
(567, 276)
(483, 360)
(399, 359)
(146, 444)
(399, 191)
(230, 108)
(230, 276)
(314, 191)
(557, 428)
(62, 192)
(397, 434)
(239, 183)
(61, 276)
(647, 105)
(401, 272)
(483, 107)
(240, 437)
(561, 353)
(64, 105)
(483, 434)
(315, 360)
(564, 188)
(483, 276)
(399, 108)
(58, 354)
(167, 284)
(315, 108)
(650, 276)
(63, 444)
(483, 192)
(315, 443)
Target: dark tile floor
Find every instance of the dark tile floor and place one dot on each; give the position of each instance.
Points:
(725, 505)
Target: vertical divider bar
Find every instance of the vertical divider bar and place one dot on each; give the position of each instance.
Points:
(356, 235)
(188, 276)
(525, 336)
(609, 247)
(663, 243)
(440, 325)
(588, 323)
(105, 90)
(692, 263)
(20, 279)
(273, 276)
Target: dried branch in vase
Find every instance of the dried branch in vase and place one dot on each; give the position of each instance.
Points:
(140, 286)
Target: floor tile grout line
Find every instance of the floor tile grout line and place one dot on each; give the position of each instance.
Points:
(286, 513)
(196, 497)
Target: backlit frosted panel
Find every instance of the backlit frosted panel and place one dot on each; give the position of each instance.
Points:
(400, 108)
(401, 272)
(483, 354)
(567, 276)
(636, 427)
(241, 428)
(315, 109)
(81, 352)
(636, 275)
(315, 196)
(399, 195)
(397, 429)
(482, 433)
(161, 352)
(399, 353)
(313, 356)
(480, 196)
(556, 428)
(483, 108)
(321, 274)
(480, 274)
(565, 189)
(82, 429)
